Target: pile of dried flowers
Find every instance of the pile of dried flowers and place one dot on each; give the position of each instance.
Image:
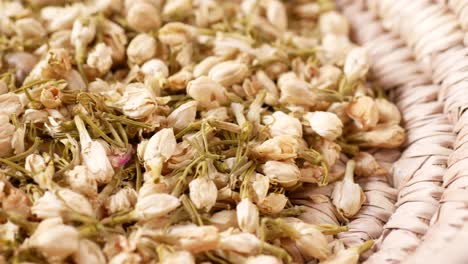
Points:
(151, 132)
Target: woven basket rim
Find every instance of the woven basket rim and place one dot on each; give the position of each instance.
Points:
(430, 92)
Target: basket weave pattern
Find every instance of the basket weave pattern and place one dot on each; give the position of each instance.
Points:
(418, 53)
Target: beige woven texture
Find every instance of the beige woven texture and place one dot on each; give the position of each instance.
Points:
(418, 54)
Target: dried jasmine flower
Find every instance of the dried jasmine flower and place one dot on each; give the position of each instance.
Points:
(348, 196)
(325, 124)
(144, 131)
(54, 239)
(143, 17)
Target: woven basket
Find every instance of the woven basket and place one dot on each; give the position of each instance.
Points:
(419, 53)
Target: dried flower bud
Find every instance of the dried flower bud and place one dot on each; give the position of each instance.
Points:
(143, 17)
(54, 239)
(17, 202)
(29, 29)
(285, 174)
(124, 200)
(224, 219)
(115, 38)
(160, 147)
(43, 170)
(9, 232)
(141, 48)
(312, 242)
(325, 124)
(60, 18)
(11, 104)
(333, 23)
(227, 46)
(125, 258)
(277, 15)
(228, 73)
(348, 196)
(155, 205)
(203, 193)
(18, 141)
(34, 116)
(7, 131)
(260, 185)
(204, 67)
(247, 216)
(88, 252)
(274, 203)
(100, 58)
(272, 92)
(335, 48)
(50, 97)
(295, 91)
(356, 64)
(383, 136)
(178, 257)
(388, 112)
(227, 194)
(83, 32)
(137, 101)
(208, 13)
(329, 76)
(55, 204)
(155, 67)
(367, 166)
(195, 238)
(263, 259)
(363, 110)
(176, 34)
(60, 40)
(180, 80)
(307, 10)
(183, 116)
(81, 181)
(330, 151)
(107, 6)
(94, 155)
(281, 147)
(208, 93)
(245, 243)
(177, 8)
(150, 188)
(283, 124)
(75, 81)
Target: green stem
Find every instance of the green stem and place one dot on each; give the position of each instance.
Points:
(20, 221)
(349, 172)
(119, 219)
(123, 133)
(37, 142)
(139, 176)
(277, 251)
(31, 84)
(324, 180)
(193, 126)
(15, 166)
(113, 132)
(99, 131)
(126, 121)
(191, 210)
(352, 150)
(327, 229)
(80, 55)
(365, 246)
(231, 127)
